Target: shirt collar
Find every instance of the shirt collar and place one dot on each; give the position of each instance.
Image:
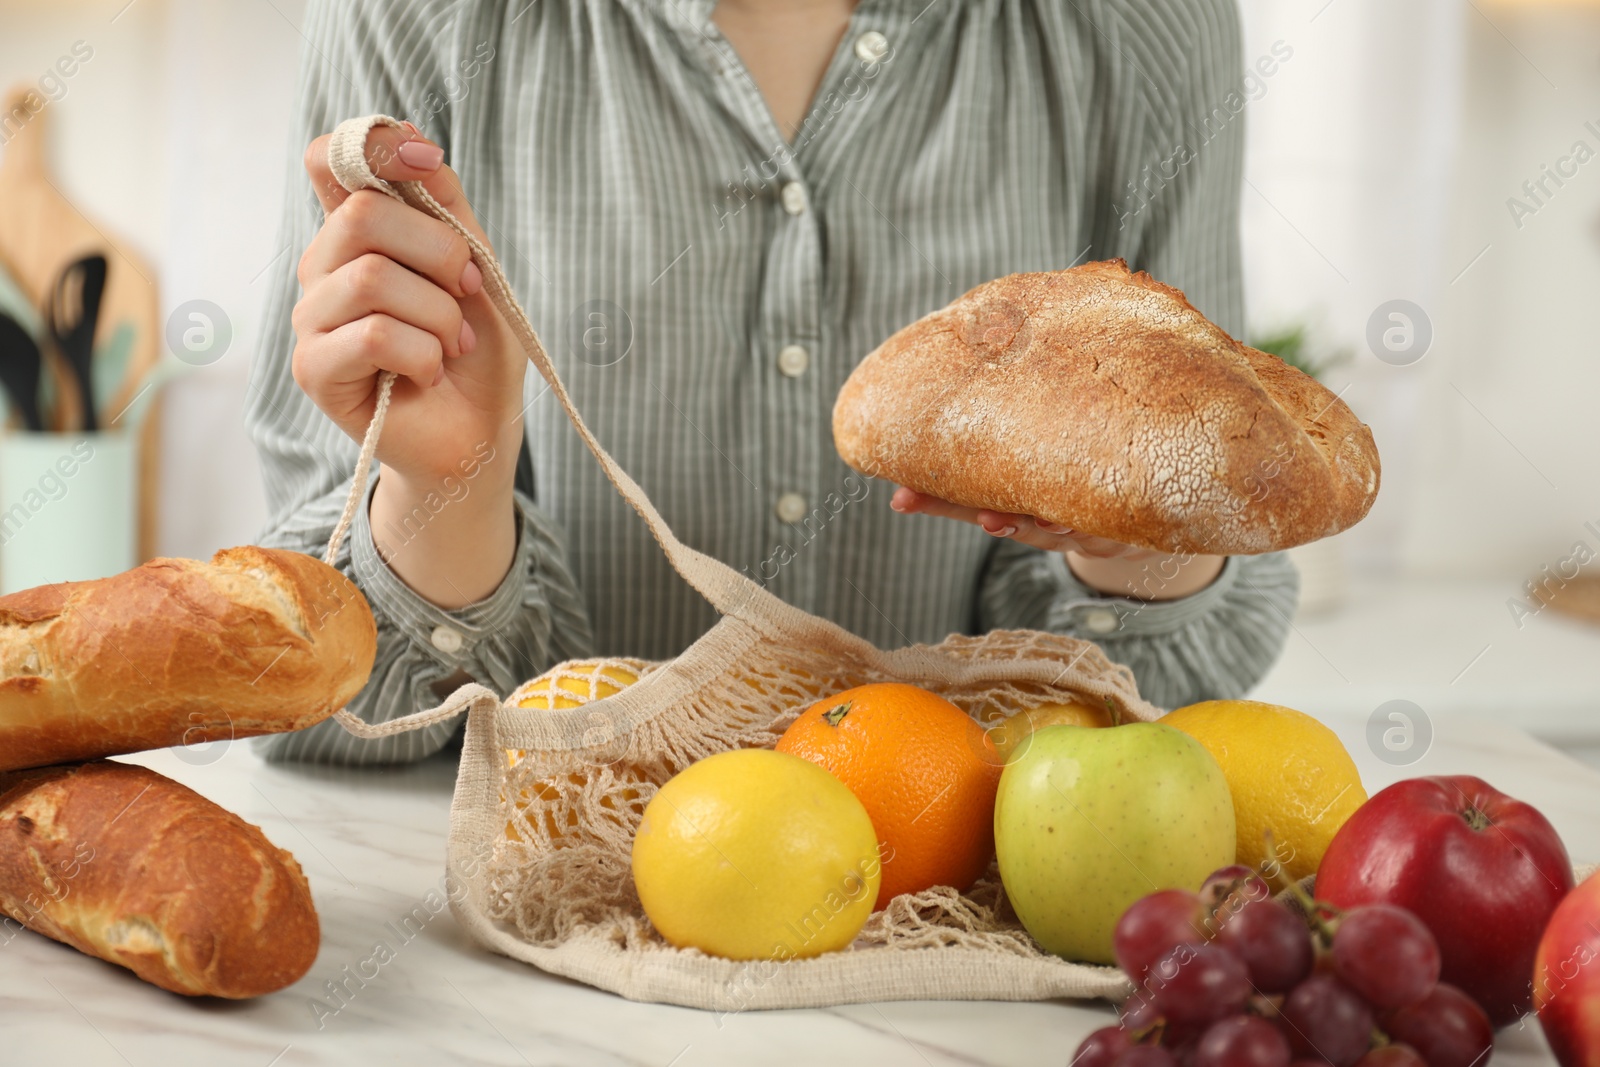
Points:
(696, 14)
(690, 14)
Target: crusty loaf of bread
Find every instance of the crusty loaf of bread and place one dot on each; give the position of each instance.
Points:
(178, 652)
(127, 865)
(1101, 400)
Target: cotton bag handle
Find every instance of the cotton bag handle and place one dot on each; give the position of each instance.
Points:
(730, 592)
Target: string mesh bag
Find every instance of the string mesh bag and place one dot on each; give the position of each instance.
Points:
(554, 780)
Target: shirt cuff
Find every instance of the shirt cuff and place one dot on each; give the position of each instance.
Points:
(450, 638)
(1096, 615)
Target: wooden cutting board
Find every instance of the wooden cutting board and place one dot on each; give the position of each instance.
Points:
(1578, 597)
(41, 231)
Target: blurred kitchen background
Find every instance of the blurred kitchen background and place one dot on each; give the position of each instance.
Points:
(1389, 147)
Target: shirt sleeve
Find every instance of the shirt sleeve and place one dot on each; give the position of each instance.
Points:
(534, 619)
(362, 57)
(1213, 645)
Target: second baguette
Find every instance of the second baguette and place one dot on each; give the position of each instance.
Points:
(125, 864)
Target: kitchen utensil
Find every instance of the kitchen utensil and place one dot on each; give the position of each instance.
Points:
(16, 303)
(20, 366)
(40, 231)
(111, 355)
(72, 315)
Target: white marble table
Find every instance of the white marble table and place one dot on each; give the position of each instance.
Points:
(1450, 646)
(372, 843)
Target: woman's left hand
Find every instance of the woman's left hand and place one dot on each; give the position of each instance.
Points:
(1104, 565)
(1025, 528)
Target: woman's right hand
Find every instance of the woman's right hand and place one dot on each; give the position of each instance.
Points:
(387, 287)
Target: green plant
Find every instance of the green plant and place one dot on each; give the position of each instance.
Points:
(1293, 345)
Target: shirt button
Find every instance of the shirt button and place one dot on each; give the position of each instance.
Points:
(446, 640)
(791, 507)
(793, 360)
(794, 198)
(871, 46)
(1100, 621)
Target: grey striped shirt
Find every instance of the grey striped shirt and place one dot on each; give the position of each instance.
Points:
(705, 288)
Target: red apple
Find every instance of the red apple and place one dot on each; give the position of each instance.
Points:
(1481, 870)
(1566, 978)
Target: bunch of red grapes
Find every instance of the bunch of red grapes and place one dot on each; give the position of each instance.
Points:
(1230, 977)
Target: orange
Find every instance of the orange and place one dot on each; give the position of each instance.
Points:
(925, 772)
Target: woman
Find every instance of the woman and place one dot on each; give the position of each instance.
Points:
(712, 209)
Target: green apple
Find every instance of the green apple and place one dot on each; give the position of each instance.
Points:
(1089, 820)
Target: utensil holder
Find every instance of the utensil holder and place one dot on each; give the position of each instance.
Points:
(68, 507)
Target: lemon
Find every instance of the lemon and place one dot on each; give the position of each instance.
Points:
(1010, 734)
(1289, 775)
(756, 854)
(572, 685)
(564, 686)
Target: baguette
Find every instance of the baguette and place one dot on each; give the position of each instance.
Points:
(178, 652)
(1102, 401)
(126, 865)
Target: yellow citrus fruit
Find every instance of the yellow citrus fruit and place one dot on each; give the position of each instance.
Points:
(1010, 734)
(1290, 776)
(568, 685)
(573, 685)
(756, 854)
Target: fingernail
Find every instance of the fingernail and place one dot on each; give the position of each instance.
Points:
(468, 340)
(411, 128)
(1004, 531)
(421, 155)
(439, 377)
(471, 278)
